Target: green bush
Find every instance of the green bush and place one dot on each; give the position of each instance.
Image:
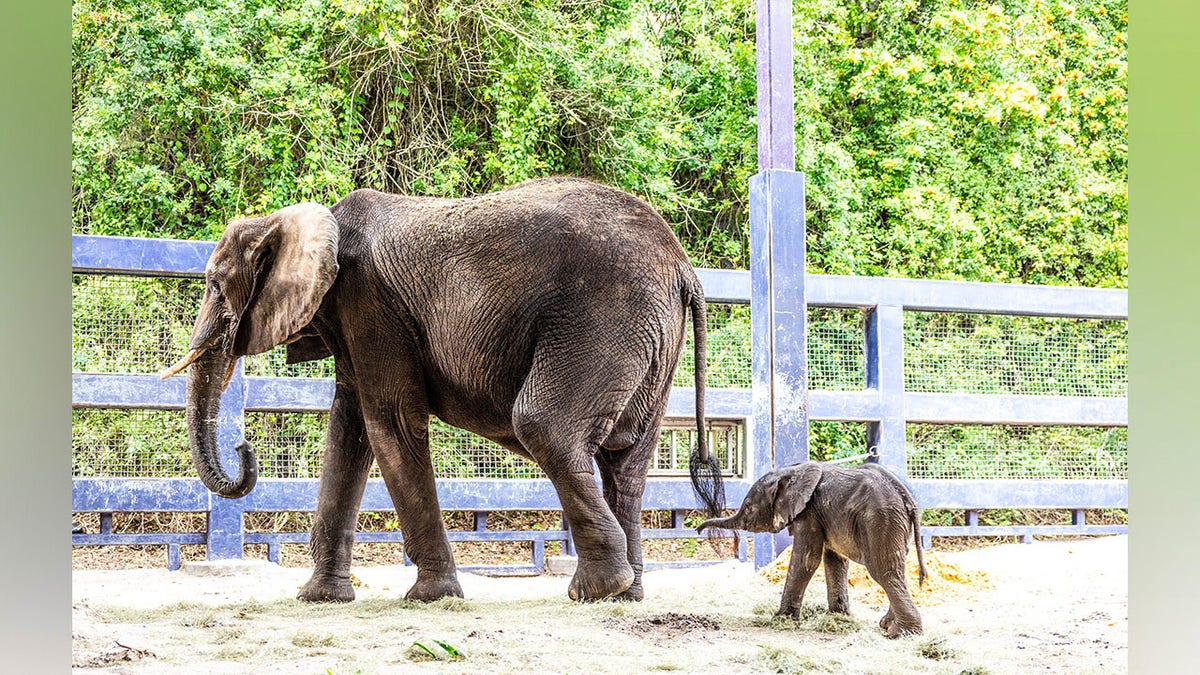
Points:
(941, 139)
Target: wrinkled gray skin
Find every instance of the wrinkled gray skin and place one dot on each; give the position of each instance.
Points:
(548, 317)
(835, 513)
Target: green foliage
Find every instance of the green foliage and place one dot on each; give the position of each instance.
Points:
(129, 443)
(941, 139)
(957, 139)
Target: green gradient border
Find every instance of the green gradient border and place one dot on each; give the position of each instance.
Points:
(35, 387)
(1164, 138)
(1164, 320)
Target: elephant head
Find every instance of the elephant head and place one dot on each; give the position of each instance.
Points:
(773, 501)
(263, 284)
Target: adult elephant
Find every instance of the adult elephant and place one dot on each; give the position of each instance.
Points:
(548, 317)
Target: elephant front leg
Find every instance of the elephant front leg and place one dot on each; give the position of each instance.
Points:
(808, 545)
(343, 476)
(401, 449)
(837, 582)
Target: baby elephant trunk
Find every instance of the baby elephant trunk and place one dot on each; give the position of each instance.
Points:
(744, 519)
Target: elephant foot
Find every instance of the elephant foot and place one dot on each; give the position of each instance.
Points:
(887, 620)
(600, 579)
(792, 613)
(326, 589)
(897, 628)
(634, 593)
(431, 586)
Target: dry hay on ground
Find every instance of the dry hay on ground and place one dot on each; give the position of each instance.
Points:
(945, 580)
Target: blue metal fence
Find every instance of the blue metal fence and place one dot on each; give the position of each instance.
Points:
(882, 404)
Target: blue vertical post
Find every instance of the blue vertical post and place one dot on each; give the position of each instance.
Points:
(775, 100)
(885, 374)
(778, 310)
(779, 347)
(225, 516)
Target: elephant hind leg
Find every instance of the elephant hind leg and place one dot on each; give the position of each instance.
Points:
(902, 617)
(623, 476)
(624, 459)
(567, 407)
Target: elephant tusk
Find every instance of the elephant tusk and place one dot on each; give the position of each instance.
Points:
(228, 374)
(181, 364)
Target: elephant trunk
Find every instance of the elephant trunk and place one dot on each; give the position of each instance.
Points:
(207, 375)
(747, 519)
(718, 523)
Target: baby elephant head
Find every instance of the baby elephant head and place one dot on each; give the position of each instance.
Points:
(773, 501)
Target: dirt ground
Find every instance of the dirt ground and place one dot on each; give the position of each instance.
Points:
(1054, 606)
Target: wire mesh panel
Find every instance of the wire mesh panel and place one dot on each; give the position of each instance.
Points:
(462, 454)
(726, 439)
(836, 352)
(125, 324)
(836, 359)
(1017, 452)
(111, 443)
(288, 445)
(832, 441)
(727, 364)
(978, 354)
(273, 363)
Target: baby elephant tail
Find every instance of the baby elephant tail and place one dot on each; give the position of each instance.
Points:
(914, 517)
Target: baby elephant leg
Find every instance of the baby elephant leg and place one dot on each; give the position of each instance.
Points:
(808, 544)
(837, 582)
(902, 617)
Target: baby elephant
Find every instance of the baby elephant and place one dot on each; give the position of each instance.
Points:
(862, 513)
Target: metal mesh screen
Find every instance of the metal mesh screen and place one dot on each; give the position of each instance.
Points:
(726, 439)
(462, 454)
(273, 363)
(836, 359)
(980, 354)
(288, 445)
(124, 324)
(836, 349)
(291, 445)
(728, 354)
(107, 443)
(831, 441)
(1017, 452)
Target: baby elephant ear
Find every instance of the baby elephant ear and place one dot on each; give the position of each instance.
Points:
(793, 491)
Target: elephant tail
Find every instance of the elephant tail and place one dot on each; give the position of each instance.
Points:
(914, 517)
(703, 467)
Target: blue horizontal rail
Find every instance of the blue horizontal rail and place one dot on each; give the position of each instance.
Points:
(1019, 493)
(295, 394)
(173, 257)
(882, 404)
(300, 494)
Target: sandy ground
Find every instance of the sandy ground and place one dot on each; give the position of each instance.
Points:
(1048, 607)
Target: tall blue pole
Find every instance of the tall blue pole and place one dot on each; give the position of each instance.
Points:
(777, 267)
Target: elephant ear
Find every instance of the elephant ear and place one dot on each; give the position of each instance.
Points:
(293, 260)
(793, 492)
